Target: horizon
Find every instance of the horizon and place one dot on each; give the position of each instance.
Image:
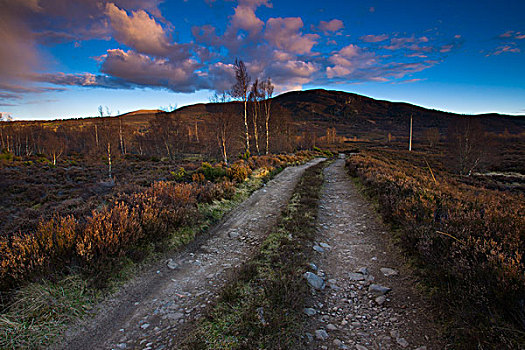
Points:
(293, 91)
(62, 60)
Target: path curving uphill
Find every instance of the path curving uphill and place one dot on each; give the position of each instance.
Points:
(161, 304)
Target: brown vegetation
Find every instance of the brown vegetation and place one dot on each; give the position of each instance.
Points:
(97, 242)
(471, 241)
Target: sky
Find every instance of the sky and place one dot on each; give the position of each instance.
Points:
(64, 58)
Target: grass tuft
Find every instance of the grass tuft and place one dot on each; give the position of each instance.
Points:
(42, 309)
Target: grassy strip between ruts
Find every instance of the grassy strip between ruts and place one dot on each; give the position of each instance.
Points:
(42, 310)
(262, 307)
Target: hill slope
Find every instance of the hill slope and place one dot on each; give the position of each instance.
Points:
(355, 115)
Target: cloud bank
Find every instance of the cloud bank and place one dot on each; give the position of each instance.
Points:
(146, 55)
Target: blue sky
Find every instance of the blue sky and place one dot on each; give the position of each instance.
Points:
(64, 58)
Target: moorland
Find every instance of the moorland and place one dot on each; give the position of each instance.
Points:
(89, 197)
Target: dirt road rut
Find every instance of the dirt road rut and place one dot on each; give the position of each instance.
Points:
(369, 301)
(161, 304)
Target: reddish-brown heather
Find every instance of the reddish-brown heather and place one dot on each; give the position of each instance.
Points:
(472, 239)
(137, 216)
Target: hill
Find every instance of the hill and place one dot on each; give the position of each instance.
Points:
(358, 116)
(353, 114)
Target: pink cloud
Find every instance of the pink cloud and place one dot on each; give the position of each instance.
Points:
(141, 69)
(446, 48)
(279, 55)
(331, 26)
(512, 34)
(206, 34)
(410, 43)
(416, 54)
(20, 55)
(285, 34)
(374, 38)
(245, 18)
(408, 81)
(139, 31)
(349, 59)
(504, 49)
(291, 75)
(338, 71)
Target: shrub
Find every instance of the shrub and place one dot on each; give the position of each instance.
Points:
(107, 234)
(198, 177)
(179, 174)
(212, 173)
(472, 239)
(239, 171)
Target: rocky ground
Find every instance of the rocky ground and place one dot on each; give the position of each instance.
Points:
(161, 304)
(362, 295)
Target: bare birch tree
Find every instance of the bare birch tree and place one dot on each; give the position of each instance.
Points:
(267, 91)
(255, 97)
(240, 91)
(222, 123)
(469, 148)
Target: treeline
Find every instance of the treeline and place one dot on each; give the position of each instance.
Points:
(216, 132)
(225, 128)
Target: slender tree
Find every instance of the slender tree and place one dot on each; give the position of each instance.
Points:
(55, 143)
(121, 137)
(222, 123)
(432, 135)
(240, 91)
(163, 129)
(469, 149)
(255, 97)
(267, 90)
(101, 113)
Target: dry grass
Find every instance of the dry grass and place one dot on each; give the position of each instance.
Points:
(41, 310)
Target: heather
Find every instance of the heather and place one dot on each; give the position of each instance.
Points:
(468, 242)
(126, 224)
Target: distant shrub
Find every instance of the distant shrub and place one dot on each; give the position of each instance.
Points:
(179, 174)
(198, 177)
(239, 171)
(6, 156)
(212, 173)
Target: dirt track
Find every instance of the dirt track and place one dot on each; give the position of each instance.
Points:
(349, 313)
(158, 306)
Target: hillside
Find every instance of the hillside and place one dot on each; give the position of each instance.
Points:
(354, 115)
